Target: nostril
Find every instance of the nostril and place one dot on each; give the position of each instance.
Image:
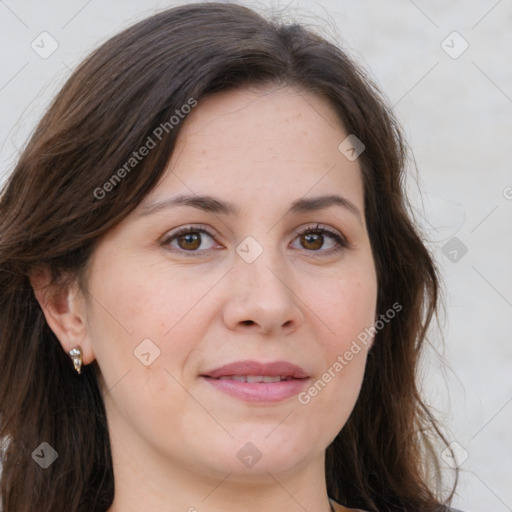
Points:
(248, 322)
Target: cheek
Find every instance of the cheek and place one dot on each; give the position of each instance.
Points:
(346, 305)
(347, 310)
(144, 297)
(135, 301)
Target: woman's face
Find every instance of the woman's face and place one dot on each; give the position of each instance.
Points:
(255, 282)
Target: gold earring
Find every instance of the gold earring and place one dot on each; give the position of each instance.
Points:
(76, 357)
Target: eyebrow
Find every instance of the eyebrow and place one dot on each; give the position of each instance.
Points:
(219, 206)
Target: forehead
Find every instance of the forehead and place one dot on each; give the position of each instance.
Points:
(261, 146)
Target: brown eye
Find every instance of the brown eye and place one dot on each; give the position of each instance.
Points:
(190, 240)
(321, 240)
(312, 241)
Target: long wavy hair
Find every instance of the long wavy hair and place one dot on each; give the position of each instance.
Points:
(52, 215)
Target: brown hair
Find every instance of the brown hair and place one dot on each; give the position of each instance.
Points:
(50, 215)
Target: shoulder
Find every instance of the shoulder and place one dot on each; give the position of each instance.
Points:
(341, 508)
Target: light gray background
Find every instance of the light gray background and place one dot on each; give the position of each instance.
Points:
(457, 115)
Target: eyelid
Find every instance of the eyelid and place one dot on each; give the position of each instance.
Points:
(320, 227)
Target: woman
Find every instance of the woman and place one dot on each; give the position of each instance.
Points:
(212, 295)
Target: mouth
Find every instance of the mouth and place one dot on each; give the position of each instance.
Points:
(253, 381)
(255, 378)
(248, 368)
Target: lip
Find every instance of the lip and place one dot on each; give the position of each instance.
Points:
(260, 392)
(248, 367)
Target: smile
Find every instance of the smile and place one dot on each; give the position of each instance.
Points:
(254, 378)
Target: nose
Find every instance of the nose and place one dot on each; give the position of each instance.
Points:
(261, 298)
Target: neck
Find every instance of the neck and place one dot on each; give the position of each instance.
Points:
(143, 486)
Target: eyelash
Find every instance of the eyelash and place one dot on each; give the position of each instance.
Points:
(341, 242)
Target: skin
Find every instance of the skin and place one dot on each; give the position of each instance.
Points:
(174, 437)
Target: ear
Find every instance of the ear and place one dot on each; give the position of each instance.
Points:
(64, 309)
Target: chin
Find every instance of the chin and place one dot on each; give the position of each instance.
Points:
(254, 456)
